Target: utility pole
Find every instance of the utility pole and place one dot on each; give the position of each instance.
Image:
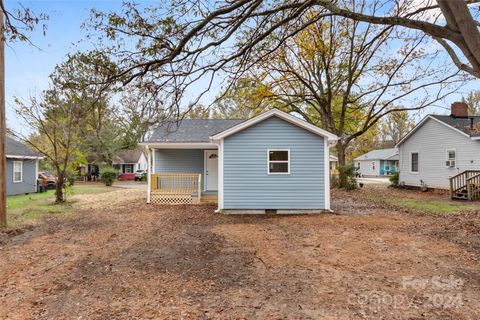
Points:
(3, 161)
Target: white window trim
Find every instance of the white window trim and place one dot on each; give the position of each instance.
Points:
(128, 165)
(410, 162)
(277, 161)
(21, 172)
(326, 152)
(447, 158)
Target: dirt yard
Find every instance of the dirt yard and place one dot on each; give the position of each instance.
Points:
(118, 258)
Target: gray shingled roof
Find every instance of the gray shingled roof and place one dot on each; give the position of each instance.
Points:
(18, 149)
(462, 124)
(128, 155)
(380, 154)
(190, 130)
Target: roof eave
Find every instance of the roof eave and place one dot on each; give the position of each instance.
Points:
(178, 145)
(425, 120)
(392, 157)
(11, 156)
(264, 116)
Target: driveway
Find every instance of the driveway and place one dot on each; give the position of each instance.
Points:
(131, 185)
(119, 258)
(374, 180)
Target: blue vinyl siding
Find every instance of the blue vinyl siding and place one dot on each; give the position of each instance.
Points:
(28, 179)
(246, 182)
(179, 161)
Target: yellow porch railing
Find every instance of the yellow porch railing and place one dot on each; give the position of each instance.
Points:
(175, 188)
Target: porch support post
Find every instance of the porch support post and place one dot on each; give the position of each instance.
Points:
(199, 188)
(326, 164)
(220, 176)
(149, 172)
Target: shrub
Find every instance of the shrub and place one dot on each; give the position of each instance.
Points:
(334, 181)
(394, 179)
(108, 175)
(348, 172)
(71, 180)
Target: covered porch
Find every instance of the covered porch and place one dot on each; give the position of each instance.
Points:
(179, 188)
(183, 174)
(388, 167)
(124, 167)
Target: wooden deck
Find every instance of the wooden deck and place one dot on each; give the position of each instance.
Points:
(207, 197)
(179, 188)
(465, 185)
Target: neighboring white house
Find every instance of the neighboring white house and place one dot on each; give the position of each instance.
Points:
(333, 164)
(381, 162)
(130, 160)
(439, 147)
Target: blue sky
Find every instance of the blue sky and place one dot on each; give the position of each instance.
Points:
(27, 67)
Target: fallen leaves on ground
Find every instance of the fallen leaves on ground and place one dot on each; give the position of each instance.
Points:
(119, 258)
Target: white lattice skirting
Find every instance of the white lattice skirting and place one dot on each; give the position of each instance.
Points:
(157, 198)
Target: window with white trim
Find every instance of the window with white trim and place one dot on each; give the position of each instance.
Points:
(387, 166)
(373, 165)
(451, 157)
(17, 171)
(414, 162)
(278, 161)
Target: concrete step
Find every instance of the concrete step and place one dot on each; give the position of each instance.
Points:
(460, 196)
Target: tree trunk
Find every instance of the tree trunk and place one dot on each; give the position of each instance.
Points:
(59, 187)
(341, 148)
(3, 161)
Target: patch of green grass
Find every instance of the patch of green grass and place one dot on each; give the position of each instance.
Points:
(423, 205)
(26, 208)
(432, 206)
(90, 189)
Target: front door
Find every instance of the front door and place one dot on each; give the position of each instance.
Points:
(211, 170)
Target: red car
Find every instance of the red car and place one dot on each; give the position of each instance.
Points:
(126, 176)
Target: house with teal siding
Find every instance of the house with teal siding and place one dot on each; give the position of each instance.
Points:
(376, 163)
(272, 163)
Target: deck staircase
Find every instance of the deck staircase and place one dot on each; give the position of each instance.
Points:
(465, 185)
